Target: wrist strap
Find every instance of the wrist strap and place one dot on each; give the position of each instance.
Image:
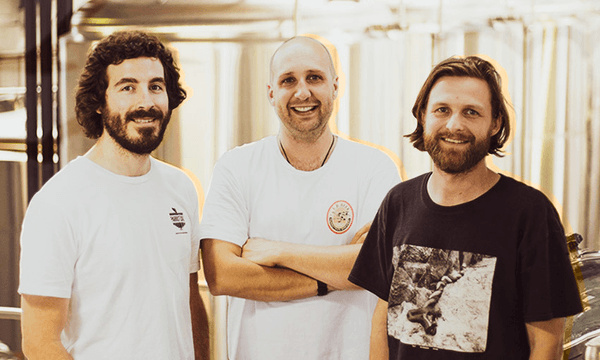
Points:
(321, 288)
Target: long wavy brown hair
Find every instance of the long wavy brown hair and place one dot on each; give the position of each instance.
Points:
(471, 66)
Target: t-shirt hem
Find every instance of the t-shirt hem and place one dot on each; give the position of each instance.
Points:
(44, 292)
(366, 286)
(550, 316)
(222, 237)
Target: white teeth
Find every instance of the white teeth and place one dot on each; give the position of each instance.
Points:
(304, 108)
(455, 141)
(143, 121)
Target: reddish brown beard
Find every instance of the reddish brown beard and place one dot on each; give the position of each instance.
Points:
(456, 162)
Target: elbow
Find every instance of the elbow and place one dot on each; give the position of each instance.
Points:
(26, 347)
(347, 285)
(216, 290)
(30, 348)
(217, 284)
(220, 261)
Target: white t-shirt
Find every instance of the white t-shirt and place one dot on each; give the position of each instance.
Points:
(121, 248)
(254, 192)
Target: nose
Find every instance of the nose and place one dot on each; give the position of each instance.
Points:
(144, 99)
(454, 123)
(302, 91)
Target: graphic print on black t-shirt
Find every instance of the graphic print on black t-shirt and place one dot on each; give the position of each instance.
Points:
(440, 298)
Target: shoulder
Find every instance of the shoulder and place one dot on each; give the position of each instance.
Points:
(361, 149)
(170, 171)
(246, 153)
(407, 191)
(70, 179)
(521, 194)
(65, 189)
(174, 180)
(411, 186)
(366, 156)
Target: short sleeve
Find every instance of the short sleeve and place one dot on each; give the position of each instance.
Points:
(225, 214)
(372, 269)
(48, 250)
(383, 175)
(195, 233)
(548, 284)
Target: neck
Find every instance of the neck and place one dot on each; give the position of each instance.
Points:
(454, 189)
(111, 156)
(307, 155)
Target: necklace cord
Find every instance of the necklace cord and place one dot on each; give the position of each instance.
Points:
(324, 160)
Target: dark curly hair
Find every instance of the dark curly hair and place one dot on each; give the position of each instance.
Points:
(113, 50)
(471, 66)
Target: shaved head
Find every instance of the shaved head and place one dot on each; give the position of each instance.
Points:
(301, 42)
(303, 87)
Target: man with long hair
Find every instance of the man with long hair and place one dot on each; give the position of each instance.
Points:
(467, 263)
(110, 244)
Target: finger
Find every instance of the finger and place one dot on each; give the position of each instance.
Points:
(361, 239)
(361, 234)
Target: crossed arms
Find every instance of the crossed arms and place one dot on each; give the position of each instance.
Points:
(267, 270)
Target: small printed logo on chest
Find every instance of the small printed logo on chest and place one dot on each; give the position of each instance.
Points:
(178, 220)
(340, 217)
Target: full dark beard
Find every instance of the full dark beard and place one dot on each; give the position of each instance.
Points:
(147, 141)
(452, 161)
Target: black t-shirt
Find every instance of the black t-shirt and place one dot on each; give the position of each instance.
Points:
(463, 280)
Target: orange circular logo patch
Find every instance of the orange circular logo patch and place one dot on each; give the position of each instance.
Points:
(340, 217)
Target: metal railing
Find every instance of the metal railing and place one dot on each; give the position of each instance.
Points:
(10, 313)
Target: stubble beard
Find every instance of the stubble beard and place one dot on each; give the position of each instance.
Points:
(305, 130)
(455, 161)
(147, 141)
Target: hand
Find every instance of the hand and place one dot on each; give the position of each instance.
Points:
(262, 252)
(361, 234)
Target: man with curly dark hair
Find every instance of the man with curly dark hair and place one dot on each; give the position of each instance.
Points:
(109, 241)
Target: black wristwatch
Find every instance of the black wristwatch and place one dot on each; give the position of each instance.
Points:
(321, 288)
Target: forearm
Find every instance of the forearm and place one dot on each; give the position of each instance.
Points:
(42, 322)
(546, 339)
(256, 282)
(227, 273)
(379, 340)
(329, 264)
(44, 350)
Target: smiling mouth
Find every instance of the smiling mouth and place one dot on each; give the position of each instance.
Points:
(143, 121)
(454, 141)
(303, 109)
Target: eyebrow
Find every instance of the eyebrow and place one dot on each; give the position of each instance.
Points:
(309, 72)
(470, 105)
(158, 79)
(289, 73)
(135, 81)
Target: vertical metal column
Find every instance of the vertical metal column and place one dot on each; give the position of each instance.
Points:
(33, 168)
(43, 29)
(48, 113)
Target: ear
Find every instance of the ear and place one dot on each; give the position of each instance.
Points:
(270, 94)
(336, 85)
(496, 124)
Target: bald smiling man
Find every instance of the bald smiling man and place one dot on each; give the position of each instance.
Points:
(282, 220)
